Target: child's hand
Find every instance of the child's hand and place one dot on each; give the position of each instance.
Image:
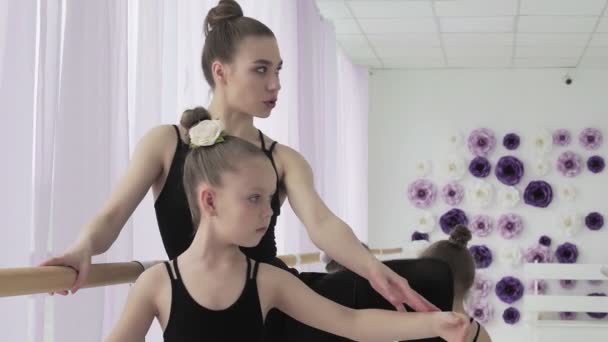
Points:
(451, 326)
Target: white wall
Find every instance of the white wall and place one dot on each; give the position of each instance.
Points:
(412, 113)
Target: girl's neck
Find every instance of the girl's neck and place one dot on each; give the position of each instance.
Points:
(209, 250)
(236, 123)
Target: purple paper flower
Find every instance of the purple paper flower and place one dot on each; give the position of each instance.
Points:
(541, 285)
(596, 164)
(569, 164)
(481, 142)
(511, 141)
(422, 193)
(567, 315)
(481, 311)
(452, 218)
(561, 137)
(594, 221)
(566, 253)
(509, 170)
(538, 194)
(480, 167)
(481, 286)
(598, 315)
(538, 254)
(482, 255)
(453, 193)
(511, 315)
(545, 241)
(567, 284)
(590, 138)
(481, 225)
(420, 236)
(510, 226)
(509, 289)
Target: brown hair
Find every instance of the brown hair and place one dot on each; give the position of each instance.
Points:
(455, 253)
(207, 164)
(225, 27)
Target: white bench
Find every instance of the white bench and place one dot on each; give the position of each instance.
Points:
(542, 330)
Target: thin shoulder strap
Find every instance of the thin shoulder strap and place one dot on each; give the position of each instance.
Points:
(477, 333)
(254, 273)
(180, 143)
(176, 268)
(170, 270)
(262, 140)
(274, 143)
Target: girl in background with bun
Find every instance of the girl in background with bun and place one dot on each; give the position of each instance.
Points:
(455, 253)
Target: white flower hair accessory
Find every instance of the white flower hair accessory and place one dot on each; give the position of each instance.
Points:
(206, 133)
(423, 168)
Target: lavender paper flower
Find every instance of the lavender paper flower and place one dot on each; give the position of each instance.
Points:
(480, 167)
(481, 311)
(567, 284)
(482, 255)
(538, 194)
(509, 289)
(561, 137)
(598, 315)
(594, 221)
(481, 286)
(544, 241)
(569, 164)
(511, 315)
(566, 253)
(596, 164)
(422, 193)
(590, 138)
(481, 225)
(420, 236)
(452, 218)
(538, 254)
(509, 170)
(481, 142)
(511, 141)
(510, 226)
(452, 193)
(567, 315)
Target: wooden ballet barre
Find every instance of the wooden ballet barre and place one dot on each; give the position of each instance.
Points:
(32, 280)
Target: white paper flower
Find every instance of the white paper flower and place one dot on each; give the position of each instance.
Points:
(480, 194)
(455, 168)
(567, 192)
(415, 248)
(423, 168)
(206, 133)
(508, 196)
(425, 222)
(455, 140)
(511, 255)
(570, 224)
(543, 141)
(541, 167)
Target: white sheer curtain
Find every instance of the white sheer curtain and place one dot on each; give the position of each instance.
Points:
(81, 82)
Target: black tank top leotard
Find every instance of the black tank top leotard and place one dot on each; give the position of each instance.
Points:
(190, 321)
(174, 218)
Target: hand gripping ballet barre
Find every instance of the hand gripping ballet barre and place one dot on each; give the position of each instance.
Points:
(31, 280)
